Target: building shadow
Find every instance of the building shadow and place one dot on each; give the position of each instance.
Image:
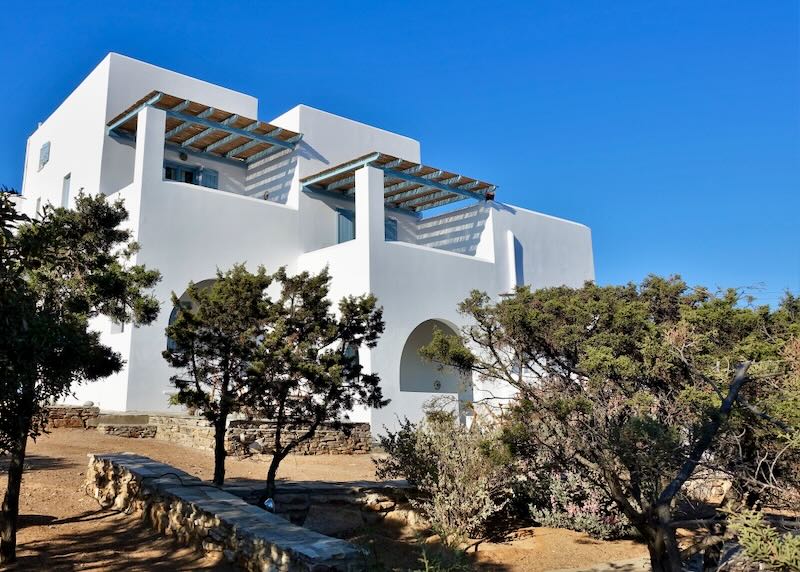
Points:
(38, 463)
(108, 540)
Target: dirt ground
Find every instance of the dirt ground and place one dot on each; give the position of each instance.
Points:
(62, 529)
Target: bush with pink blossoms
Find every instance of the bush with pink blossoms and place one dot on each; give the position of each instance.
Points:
(577, 504)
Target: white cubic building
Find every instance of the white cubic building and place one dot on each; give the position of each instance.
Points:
(209, 184)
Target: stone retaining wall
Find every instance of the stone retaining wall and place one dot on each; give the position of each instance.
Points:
(341, 509)
(72, 416)
(194, 432)
(200, 515)
(132, 431)
(246, 438)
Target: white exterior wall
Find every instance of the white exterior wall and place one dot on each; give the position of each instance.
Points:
(188, 232)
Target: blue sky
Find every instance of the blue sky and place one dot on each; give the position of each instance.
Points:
(672, 129)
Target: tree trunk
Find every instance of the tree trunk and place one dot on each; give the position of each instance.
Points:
(10, 509)
(219, 449)
(665, 554)
(269, 489)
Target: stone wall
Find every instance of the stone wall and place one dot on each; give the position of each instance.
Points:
(246, 438)
(131, 431)
(72, 416)
(196, 514)
(342, 509)
(194, 432)
(256, 437)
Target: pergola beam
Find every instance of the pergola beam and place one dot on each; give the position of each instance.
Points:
(435, 185)
(134, 112)
(184, 126)
(352, 178)
(232, 136)
(197, 120)
(400, 197)
(343, 168)
(414, 190)
(271, 150)
(440, 203)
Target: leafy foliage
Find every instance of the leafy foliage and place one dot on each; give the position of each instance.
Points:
(764, 544)
(635, 386)
(577, 504)
(57, 273)
(306, 368)
(214, 341)
(459, 483)
(290, 359)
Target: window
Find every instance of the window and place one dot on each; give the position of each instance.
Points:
(44, 154)
(65, 190)
(353, 362)
(209, 178)
(390, 229)
(194, 175)
(38, 206)
(172, 345)
(347, 225)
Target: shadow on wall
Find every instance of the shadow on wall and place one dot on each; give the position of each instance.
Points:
(271, 178)
(458, 231)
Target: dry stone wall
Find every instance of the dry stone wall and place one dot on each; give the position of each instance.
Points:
(341, 509)
(196, 514)
(130, 431)
(247, 438)
(72, 416)
(244, 438)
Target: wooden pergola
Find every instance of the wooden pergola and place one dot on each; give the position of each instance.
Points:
(199, 128)
(407, 185)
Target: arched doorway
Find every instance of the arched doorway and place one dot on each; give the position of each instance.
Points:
(418, 374)
(188, 302)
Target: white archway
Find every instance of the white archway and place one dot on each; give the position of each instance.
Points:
(418, 374)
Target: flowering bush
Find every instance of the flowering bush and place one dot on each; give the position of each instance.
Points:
(575, 503)
(459, 477)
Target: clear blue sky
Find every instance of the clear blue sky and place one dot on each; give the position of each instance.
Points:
(672, 129)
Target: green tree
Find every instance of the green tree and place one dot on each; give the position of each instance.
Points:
(56, 274)
(289, 359)
(306, 370)
(638, 386)
(213, 342)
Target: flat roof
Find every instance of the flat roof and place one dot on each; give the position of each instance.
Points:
(200, 128)
(406, 185)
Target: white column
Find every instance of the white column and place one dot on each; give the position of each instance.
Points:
(369, 205)
(149, 162)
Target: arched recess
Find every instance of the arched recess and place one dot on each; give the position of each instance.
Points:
(187, 302)
(418, 374)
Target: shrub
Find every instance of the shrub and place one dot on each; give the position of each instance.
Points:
(460, 479)
(455, 561)
(762, 543)
(576, 504)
